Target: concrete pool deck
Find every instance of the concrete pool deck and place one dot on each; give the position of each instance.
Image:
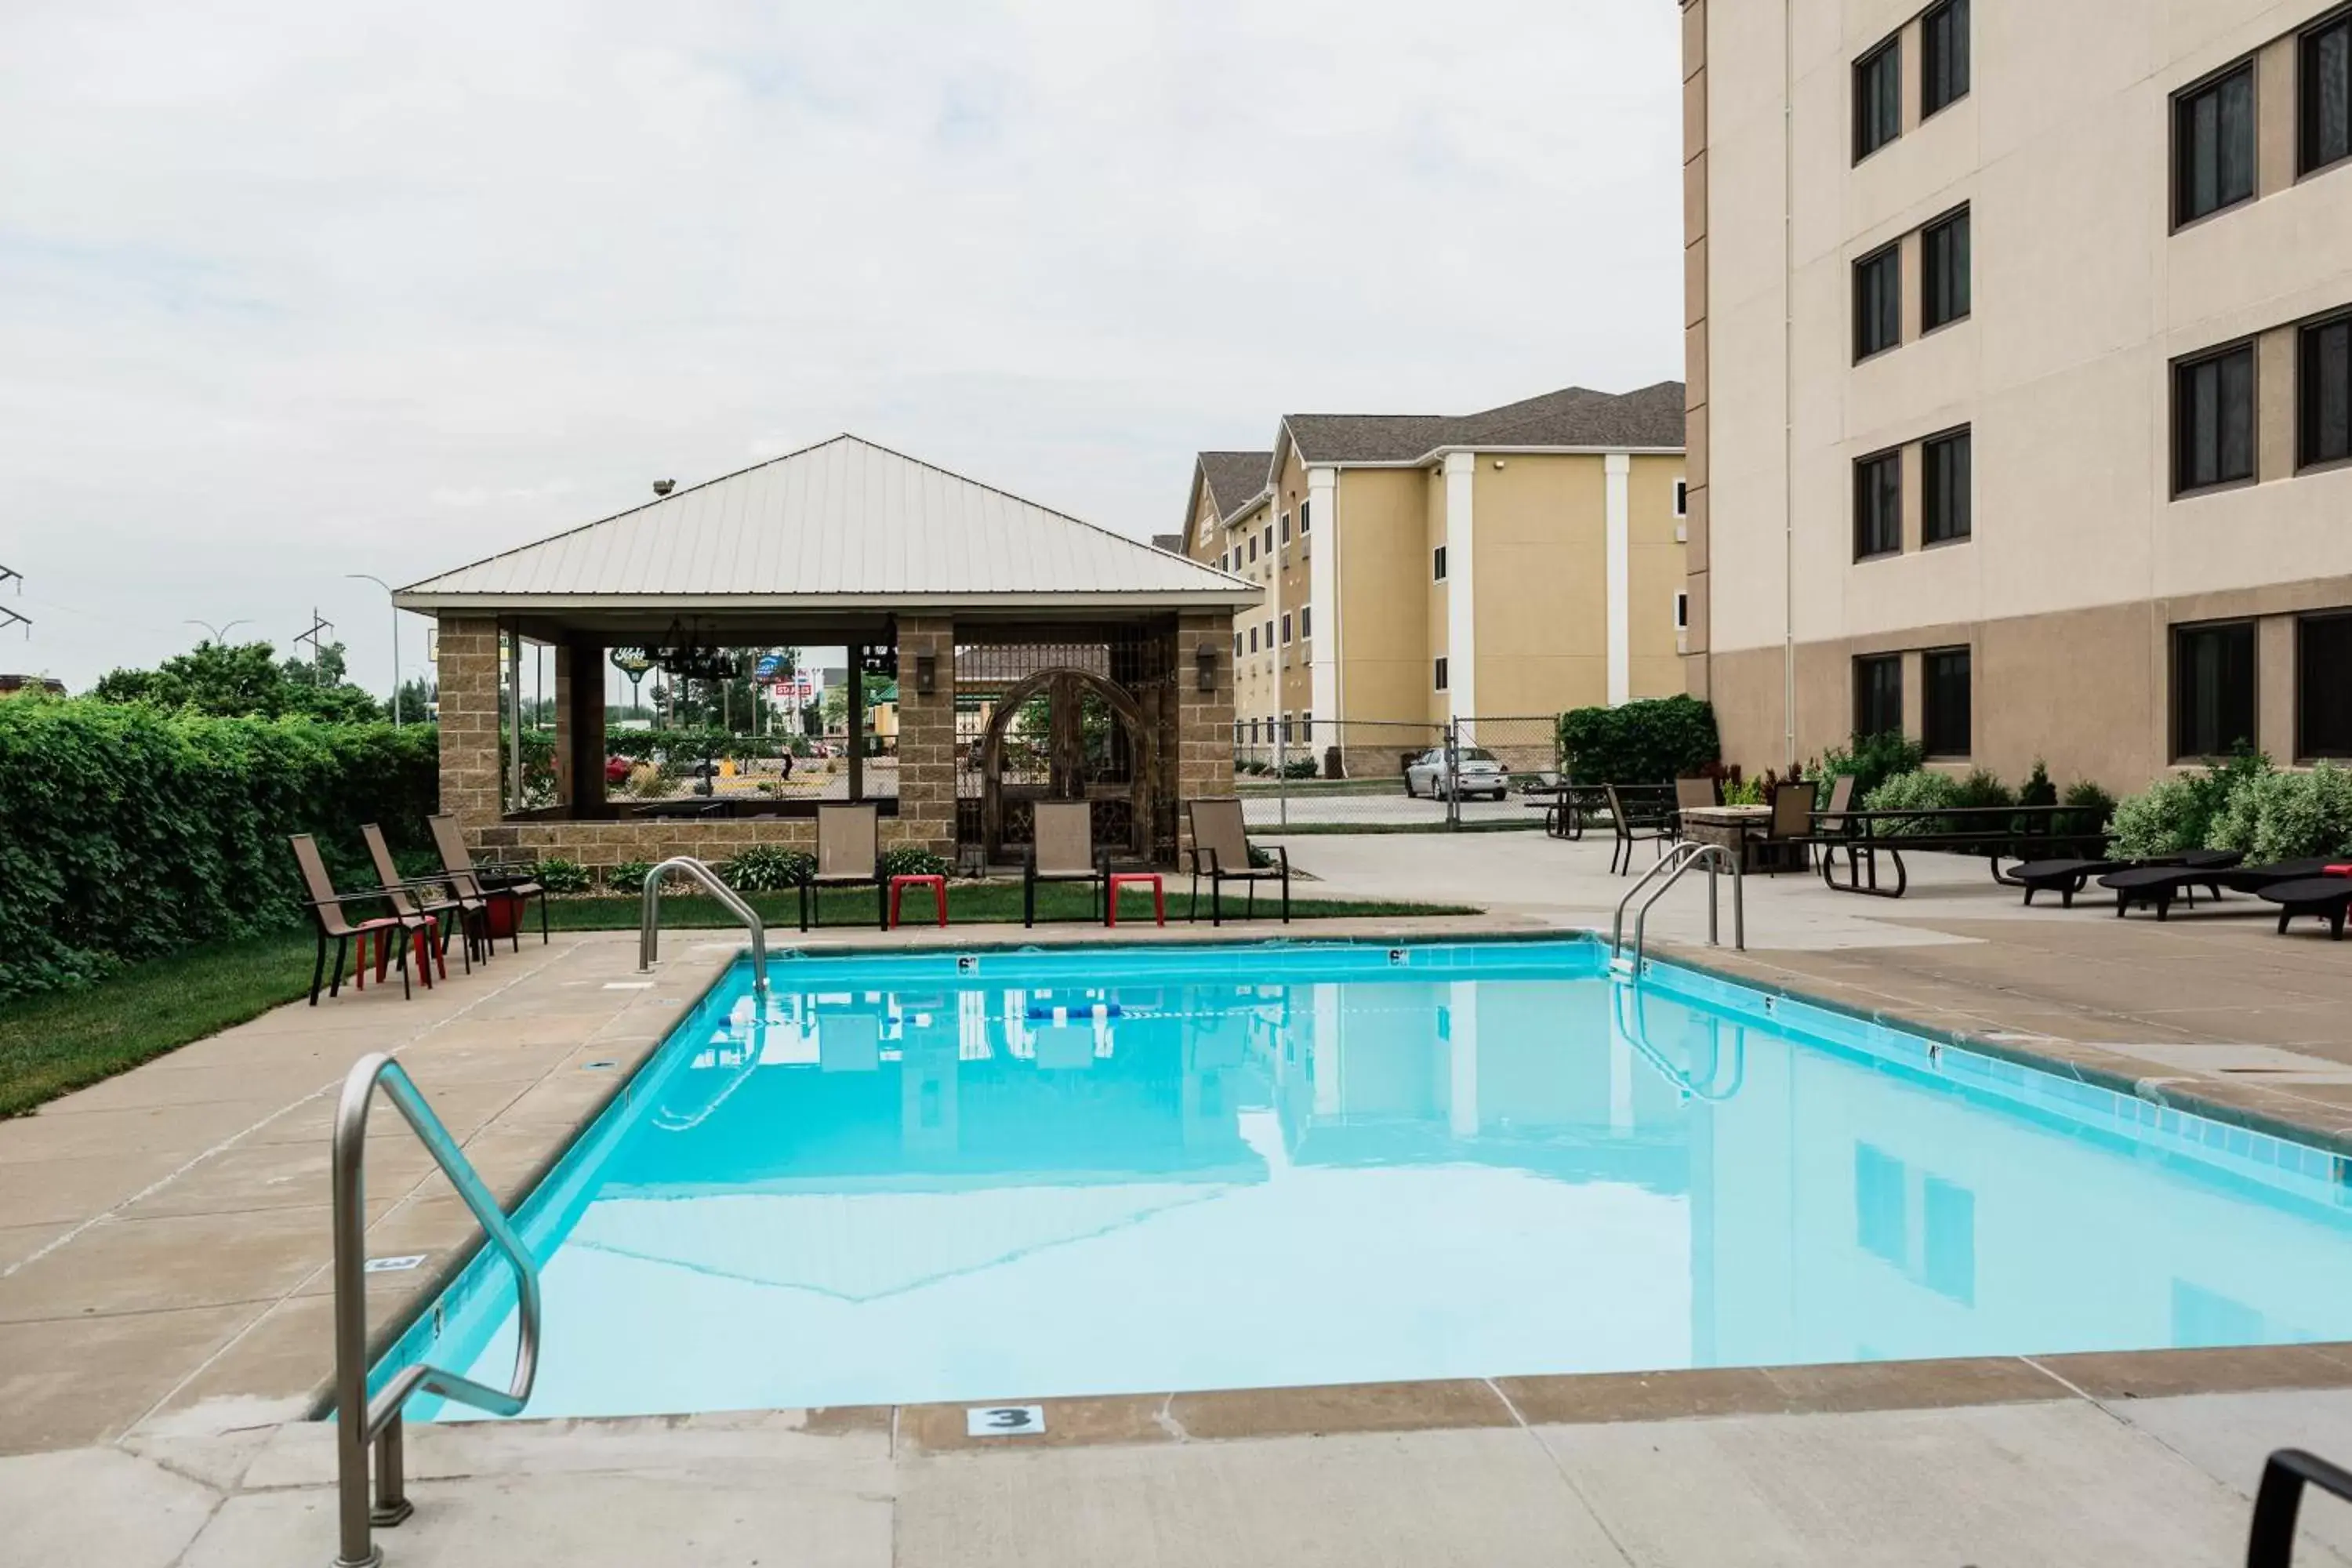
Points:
(163, 1325)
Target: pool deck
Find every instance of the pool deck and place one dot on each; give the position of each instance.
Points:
(163, 1323)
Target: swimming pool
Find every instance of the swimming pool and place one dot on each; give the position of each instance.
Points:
(936, 1177)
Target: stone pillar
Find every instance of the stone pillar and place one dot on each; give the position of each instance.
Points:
(467, 669)
(1203, 740)
(926, 733)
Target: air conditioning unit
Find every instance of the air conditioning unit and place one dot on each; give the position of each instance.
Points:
(1682, 533)
(1682, 641)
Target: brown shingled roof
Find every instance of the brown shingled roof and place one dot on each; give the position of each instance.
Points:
(1235, 479)
(1573, 417)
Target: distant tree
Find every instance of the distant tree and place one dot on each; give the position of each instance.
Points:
(223, 682)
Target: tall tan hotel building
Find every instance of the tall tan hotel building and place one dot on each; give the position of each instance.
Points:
(2019, 377)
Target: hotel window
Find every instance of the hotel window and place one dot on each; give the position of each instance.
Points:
(1269, 538)
(1306, 622)
(2214, 419)
(1286, 527)
(2213, 146)
(1681, 497)
(1877, 302)
(1269, 634)
(1877, 97)
(1437, 676)
(2324, 392)
(1943, 271)
(1946, 511)
(1286, 630)
(1877, 696)
(1306, 515)
(1438, 565)
(1253, 636)
(1943, 57)
(1252, 547)
(2212, 688)
(1878, 506)
(1682, 610)
(2326, 133)
(1944, 689)
(1306, 725)
(2323, 713)
(1237, 645)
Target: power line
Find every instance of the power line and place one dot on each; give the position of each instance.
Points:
(9, 617)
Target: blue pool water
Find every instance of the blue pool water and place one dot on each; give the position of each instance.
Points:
(1129, 1170)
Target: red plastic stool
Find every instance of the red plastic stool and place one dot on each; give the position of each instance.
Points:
(937, 884)
(1119, 879)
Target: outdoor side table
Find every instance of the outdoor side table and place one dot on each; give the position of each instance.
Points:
(1137, 878)
(937, 884)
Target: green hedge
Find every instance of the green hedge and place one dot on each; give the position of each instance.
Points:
(127, 832)
(1655, 741)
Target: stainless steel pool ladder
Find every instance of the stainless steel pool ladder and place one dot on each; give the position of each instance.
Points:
(363, 1423)
(1671, 865)
(649, 922)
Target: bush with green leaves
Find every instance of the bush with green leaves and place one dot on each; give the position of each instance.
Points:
(1655, 741)
(560, 876)
(1744, 791)
(128, 832)
(2287, 816)
(2037, 789)
(914, 860)
(2177, 814)
(768, 869)
(627, 877)
(2090, 809)
(1871, 760)
(1921, 790)
(1982, 788)
(1300, 768)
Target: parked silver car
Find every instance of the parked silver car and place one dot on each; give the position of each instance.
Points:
(1480, 774)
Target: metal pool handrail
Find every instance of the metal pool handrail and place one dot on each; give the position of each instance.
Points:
(363, 1423)
(649, 920)
(1684, 856)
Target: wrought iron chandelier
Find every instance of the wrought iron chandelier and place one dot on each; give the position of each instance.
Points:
(682, 653)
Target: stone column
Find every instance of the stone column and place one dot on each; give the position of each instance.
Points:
(580, 728)
(1203, 740)
(467, 670)
(926, 733)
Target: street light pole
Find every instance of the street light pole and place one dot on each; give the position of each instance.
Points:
(370, 577)
(220, 634)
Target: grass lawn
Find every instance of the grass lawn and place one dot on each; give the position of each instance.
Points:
(54, 1044)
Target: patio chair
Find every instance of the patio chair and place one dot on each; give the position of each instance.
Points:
(326, 907)
(848, 854)
(1694, 794)
(1639, 820)
(1221, 848)
(1062, 850)
(431, 907)
(487, 884)
(1788, 831)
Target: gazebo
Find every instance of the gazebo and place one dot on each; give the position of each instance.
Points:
(1034, 657)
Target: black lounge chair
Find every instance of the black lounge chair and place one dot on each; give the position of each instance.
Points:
(2326, 898)
(2159, 885)
(2064, 878)
(2254, 879)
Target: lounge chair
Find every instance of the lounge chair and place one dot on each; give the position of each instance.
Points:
(848, 854)
(2158, 884)
(2062, 876)
(1062, 850)
(1221, 848)
(432, 907)
(489, 884)
(1642, 819)
(2323, 897)
(326, 907)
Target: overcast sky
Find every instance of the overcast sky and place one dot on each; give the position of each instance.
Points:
(293, 290)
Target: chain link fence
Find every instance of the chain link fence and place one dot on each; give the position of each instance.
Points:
(1394, 776)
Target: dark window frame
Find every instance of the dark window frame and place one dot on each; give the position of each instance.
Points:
(1936, 723)
(1938, 525)
(1438, 674)
(1869, 487)
(2310, 156)
(1943, 51)
(1881, 335)
(2185, 107)
(2307, 689)
(2185, 372)
(2310, 439)
(1438, 565)
(1306, 622)
(2182, 749)
(1946, 293)
(1868, 718)
(1877, 85)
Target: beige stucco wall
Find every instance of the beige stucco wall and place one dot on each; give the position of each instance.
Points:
(2082, 296)
(1539, 558)
(1383, 570)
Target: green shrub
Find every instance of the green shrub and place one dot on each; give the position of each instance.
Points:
(2037, 789)
(2164, 819)
(768, 868)
(2287, 816)
(1303, 768)
(1744, 791)
(628, 876)
(1871, 760)
(1981, 788)
(913, 860)
(127, 832)
(559, 876)
(1655, 741)
(1919, 790)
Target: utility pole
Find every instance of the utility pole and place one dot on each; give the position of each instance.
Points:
(9, 617)
(311, 636)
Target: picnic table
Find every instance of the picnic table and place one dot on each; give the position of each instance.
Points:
(1997, 832)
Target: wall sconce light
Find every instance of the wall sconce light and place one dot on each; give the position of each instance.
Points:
(927, 672)
(1205, 659)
